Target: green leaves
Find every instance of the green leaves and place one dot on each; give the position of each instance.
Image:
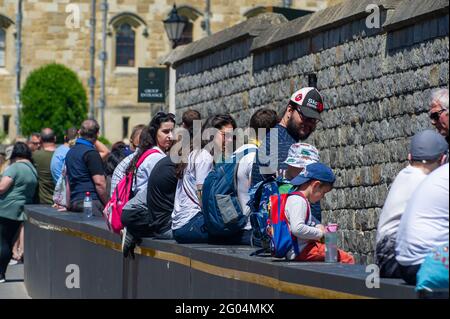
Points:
(54, 97)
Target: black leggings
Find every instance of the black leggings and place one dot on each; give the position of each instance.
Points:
(8, 231)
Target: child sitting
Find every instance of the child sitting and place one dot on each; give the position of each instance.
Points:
(301, 155)
(313, 182)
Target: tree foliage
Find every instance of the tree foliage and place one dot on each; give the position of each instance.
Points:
(54, 97)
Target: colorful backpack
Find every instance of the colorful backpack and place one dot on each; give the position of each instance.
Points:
(259, 204)
(282, 240)
(433, 273)
(224, 216)
(121, 195)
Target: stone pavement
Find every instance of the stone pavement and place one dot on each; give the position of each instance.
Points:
(14, 287)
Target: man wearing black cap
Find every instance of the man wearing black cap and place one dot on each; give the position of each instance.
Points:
(427, 152)
(299, 121)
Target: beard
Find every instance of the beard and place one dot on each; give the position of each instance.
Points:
(299, 132)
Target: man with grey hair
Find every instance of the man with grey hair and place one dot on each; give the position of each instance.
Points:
(439, 111)
(85, 170)
(427, 153)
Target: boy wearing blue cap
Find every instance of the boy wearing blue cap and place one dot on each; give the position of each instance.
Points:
(313, 183)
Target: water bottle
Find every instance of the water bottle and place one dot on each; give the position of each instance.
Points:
(331, 243)
(87, 206)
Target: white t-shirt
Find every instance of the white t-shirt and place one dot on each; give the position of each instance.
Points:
(144, 171)
(295, 211)
(200, 164)
(243, 178)
(424, 224)
(401, 190)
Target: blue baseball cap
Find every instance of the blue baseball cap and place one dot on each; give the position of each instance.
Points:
(315, 171)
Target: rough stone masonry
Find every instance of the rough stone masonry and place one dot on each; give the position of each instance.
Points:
(375, 83)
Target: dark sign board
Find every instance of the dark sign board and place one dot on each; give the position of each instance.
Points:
(152, 85)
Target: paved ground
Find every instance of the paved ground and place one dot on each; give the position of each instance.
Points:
(14, 287)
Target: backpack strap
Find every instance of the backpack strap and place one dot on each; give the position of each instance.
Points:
(308, 206)
(239, 157)
(190, 196)
(146, 154)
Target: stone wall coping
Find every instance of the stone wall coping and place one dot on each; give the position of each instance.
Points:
(172, 56)
(412, 11)
(250, 28)
(328, 18)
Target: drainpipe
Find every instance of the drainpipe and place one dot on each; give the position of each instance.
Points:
(92, 53)
(18, 65)
(103, 58)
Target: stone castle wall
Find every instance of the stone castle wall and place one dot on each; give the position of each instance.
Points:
(375, 83)
(46, 39)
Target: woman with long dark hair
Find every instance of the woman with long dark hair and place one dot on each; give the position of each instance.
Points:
(158, 135)
(17, 188)
(187, 218)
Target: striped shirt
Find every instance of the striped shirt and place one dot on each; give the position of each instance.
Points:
(119, 171)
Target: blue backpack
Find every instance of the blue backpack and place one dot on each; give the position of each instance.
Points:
(222, 211)
(259, 204)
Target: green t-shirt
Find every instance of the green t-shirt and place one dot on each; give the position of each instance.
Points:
(285, 188)
(21, 192)
(42, 161)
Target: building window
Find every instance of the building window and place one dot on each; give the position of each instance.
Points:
(125, 126)
(186, 37)
(6, 123)
(125, 45)
(2, 47)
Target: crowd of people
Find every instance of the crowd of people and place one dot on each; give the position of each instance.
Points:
(169, 170)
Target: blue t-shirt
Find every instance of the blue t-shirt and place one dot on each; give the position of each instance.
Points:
(57, 162)
(270, 161)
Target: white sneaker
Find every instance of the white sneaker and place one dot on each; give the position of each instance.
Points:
(2, 278)
(124, 235)
(13, 262)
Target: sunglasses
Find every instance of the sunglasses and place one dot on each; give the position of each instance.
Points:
(436, 115)
(164, 114)
(307, 119)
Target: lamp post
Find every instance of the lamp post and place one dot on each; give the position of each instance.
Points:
(174, 25)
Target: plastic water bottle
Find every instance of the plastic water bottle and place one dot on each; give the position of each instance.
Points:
(331, 243)
(87, 206)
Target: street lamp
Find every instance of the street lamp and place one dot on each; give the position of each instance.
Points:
(174, 25)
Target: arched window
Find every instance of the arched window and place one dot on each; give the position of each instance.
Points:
(192, 15)
(125, 45)
(187, 35)
(128, 32)
(5, 22)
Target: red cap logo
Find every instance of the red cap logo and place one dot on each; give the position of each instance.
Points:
(298, 98)
(319, 107)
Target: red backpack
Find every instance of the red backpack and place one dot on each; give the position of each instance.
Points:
(121, 195)
(282, 240)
